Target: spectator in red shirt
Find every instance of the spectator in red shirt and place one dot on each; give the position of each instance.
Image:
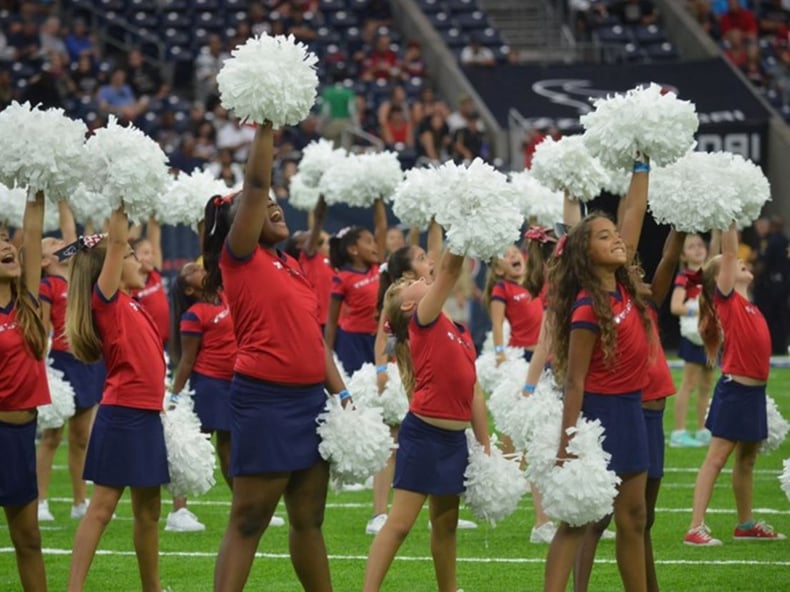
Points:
(739, 19)
(382, 63)
(735, 50)
(397, 130)
(413, 65)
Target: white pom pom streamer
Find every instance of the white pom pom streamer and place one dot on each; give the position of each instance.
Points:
(645, 120)
(537, 201)
(582, 490)
(89, 206)
(488, 373)
(300, 195)
(185, 200)
(567, 165)
(777, 427)
(317, 158)
(618, 183)
(494, 484)
(507, 388)
(784, 478)
(481, 216)
(190, 454)
(416, 197)
(488, 343)
(359, 180)
(354, 440)
(61, 407)
(127, 167)
(752, 187)
(269, 78)
(392, 402)
(523, 420)
(41, 149)
(699, 192)
(12, 209)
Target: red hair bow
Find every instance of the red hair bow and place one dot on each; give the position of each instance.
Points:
(220, 200)
(538, 233)
(561, 245)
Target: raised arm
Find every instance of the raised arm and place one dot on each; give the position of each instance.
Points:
(729, 260)
(252, 210)
(319, 217)
(631, 216)
(68, 228)
(430, 307)
(153, 233)
(571, 211)
(33, 228)
(435, 241)
(380, 228)
(665, 272)
(117, 249)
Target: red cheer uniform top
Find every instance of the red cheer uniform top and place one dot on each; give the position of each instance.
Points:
(747, 341)
(659, 379)
(23, 377)
(275, 318)
(359, 292)
(627, 372)
(682, 281)
(53, 289)
(212, 323)
(320, 273)
(132, 351)
(522, 311)
(444, 369)
(154, 298)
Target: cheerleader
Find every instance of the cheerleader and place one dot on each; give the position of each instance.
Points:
(737, 417)
(432, 449)
(697, 373)
(153, 295)
(87, 380)
(314, 259)
(127, 443)
(601, 348)
(277, 391)
(354, 253)
(23, 387)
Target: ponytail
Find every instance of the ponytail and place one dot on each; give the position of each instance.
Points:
(28, 317)
(399, 327)
(84, 269)
(217, 221)
(709, 325)
(340, 243)
(398, 263)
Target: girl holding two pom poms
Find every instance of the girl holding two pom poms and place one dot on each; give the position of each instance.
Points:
(432, 449)
(127, 444)
(23, 387)
(737, 417)
(600, 341)
(355, 254)
(277, 391)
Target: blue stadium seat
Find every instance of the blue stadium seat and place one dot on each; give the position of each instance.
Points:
(199, 39)
(141, 6)
(359, 6)
(235, 4)
(342, 19)
(502, 53)
(174, 5)
(208, 21)
(649, 35)
(489, 37)
(145, 20)
(432, 6)
(455, 38)
(205, 5)
(111, 6)
(633, 53)
(177, 20)
(327, 35)
(472, 21)
(233, 18)
(462, 6)
(661, 52)
(613, 35)
(441, 21)
(332, 5)
(176, 38)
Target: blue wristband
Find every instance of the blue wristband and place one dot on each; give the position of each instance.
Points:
(529, 388)
(381, 369)
(691, 312)
(641, 167)
(499, 349)
(344, 394)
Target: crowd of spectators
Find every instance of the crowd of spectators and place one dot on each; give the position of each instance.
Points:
(379, 85)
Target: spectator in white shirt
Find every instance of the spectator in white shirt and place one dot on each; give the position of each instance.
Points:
(475, 54)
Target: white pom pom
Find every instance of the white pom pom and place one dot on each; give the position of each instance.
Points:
(190, 454)
(269, 78)
(317, 158)
(127, 166)
(697, 193)
(300, 195)
(89, 206)
(645, 120)
(364, 387)
(354, 441)
(618, 183)
(494, 484)
(507, 388)
(582, 490)
(185, 200)
(12, 205)
(481, 216)
(392, 402)
(488, 373)
(341, 370)
(567, 165)
(61, 407)
(416, 197)
(777, 427)
(536, 200)
(526, 417)
(42, 150)
(784, 478)
(752, 187)
(359, 180)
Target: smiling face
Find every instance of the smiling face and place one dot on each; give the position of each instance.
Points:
(512, 264)
(10, 269)
(606, 248)
(274, 229)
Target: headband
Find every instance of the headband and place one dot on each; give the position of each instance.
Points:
(83, 242)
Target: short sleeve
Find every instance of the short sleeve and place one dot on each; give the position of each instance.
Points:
(228, 259)
(190, 324)
(681, 281)
(338, 287)
(583, 315)
(45, 290)
(499, 292)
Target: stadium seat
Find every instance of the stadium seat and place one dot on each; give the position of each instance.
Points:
(177, 20)
(489, 37)
(441, 21)
(145, 20)
(205, 5)
(174, 5)
(342, 19)
(613, 35)
(432, 6)
(661, 52)
(455, 38)
(462, 6)
(332, 5)
(472, 21)
(650, 35)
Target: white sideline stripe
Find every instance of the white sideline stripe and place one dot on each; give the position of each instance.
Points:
(523, 560)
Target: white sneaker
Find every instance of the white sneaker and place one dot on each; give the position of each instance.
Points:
(543, 534)
(183, 521)
(608, 535)
(375, 524)
(44, 515)
(462, 524)
(276, 521)
(78, 511)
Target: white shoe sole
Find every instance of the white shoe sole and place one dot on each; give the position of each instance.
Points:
(201, 528)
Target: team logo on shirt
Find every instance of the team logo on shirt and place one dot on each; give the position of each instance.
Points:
(621, 316)
(135, 306)
(8, 326)
(277, 265)
(519, 297)
(750, 309)
(145, 292)
(221, 316)
(453, 337)
(364, 282)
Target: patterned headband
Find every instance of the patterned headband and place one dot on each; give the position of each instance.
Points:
(83, 242)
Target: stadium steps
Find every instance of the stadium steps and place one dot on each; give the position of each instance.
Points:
(525, 25)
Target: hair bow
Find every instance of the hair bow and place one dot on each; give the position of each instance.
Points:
(561, 245)
(539, 234)
(694, 278)
(83, 242)
(343, 232)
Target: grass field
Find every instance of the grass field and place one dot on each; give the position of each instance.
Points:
(497, 559)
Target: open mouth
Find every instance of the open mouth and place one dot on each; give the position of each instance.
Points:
(8, 259)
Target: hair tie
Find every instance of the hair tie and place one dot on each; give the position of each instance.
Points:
(343, 232)
(539, 234)
(83, 242)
